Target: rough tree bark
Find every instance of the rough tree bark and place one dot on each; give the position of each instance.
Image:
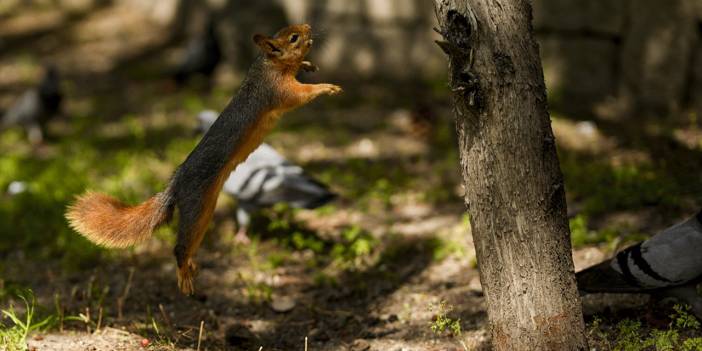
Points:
(514, 186)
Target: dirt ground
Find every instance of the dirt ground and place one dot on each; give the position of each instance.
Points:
(286, 290)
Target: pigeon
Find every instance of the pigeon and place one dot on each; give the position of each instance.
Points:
(265, 179)
(36, 107)
(202, 55)
(669, 264)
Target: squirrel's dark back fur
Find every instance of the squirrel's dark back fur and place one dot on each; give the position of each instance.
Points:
(201, 168)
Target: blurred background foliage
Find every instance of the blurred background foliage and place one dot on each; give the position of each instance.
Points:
(624, 84)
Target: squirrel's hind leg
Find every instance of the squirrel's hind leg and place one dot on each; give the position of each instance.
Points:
(192, 226)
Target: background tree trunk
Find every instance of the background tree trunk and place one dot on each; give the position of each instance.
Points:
(514, 186)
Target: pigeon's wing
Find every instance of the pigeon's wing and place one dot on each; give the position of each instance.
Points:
(670, 258)
(297, 189)
(673, 257)
(25, 111)
(246, 181)
(267, 178)
(266, 156)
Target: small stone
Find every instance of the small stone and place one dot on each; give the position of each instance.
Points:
(360, 345)
(282, 304)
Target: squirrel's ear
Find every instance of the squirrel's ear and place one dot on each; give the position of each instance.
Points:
(267, 45)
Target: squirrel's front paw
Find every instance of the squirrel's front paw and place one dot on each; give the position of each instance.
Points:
(186, 273)
(308, 66)
(332, 89)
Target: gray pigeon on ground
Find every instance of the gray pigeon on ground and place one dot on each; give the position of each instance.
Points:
(668, 264)
(202, 55)
(36, 106)
(265, 179)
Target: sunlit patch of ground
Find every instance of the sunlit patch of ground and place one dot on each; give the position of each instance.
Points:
(105, 339)
(366, 272)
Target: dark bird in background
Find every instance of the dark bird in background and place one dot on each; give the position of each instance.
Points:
(202, 55)
(265, 179)
(36, 106)
(668, 264)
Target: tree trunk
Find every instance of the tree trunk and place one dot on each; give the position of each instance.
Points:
(514, 186)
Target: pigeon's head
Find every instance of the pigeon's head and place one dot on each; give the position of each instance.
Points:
(288, 47)
(205, 120)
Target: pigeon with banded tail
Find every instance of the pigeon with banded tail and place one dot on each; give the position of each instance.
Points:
(669, 264)
(36, 107)
(265, 179)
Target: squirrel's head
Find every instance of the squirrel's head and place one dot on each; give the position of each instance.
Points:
(288, 47)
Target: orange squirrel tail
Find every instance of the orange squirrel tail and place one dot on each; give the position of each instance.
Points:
(108, 222)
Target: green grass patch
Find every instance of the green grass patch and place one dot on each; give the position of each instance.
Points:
(630, 335)
(603, 188)
(442, 321)
(582, 235)
(16, 325)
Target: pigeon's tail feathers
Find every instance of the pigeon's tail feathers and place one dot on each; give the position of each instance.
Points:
(320, 200)
(318, 194)
(298, 190)
(602, 278)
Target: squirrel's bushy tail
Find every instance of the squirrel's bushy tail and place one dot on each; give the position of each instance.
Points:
(108, 222)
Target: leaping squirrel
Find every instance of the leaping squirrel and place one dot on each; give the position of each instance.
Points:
(269, 90)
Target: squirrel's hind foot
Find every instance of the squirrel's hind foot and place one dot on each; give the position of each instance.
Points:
(186, 274)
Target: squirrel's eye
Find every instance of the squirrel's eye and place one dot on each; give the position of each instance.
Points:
(293, 38)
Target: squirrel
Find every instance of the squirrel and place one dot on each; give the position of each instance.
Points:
(269, 90)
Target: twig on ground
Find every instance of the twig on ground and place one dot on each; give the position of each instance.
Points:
(199, 337)
(59, 310)
(165, 315)
(87, 319)
(123, 297)
(99, 322)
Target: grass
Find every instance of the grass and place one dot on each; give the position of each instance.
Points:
(582, 235)
(631, 335)
(442, 322)
(130, 161)
(13, 336)
(345, 250)
(603, 188)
